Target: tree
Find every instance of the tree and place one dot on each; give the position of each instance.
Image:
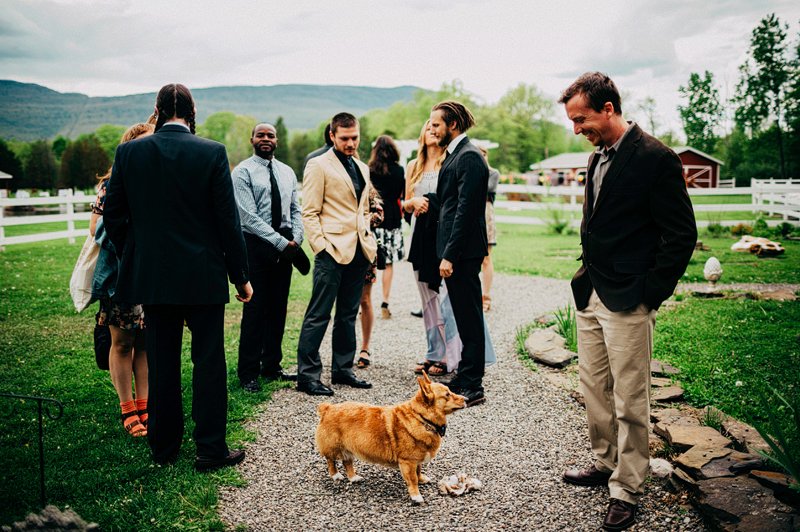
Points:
(647, 109)
(702, 113)
(282, 151)
(300, 145)
(108, 136)
(82, 162)
(59, 145)
(761, 92)
(10, 164)
(232, 130)
(40, 166)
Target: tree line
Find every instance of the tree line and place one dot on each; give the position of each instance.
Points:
(764, 140)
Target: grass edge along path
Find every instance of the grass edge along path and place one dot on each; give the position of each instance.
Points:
(92, 465)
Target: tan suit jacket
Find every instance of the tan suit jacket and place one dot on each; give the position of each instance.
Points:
(333, 219)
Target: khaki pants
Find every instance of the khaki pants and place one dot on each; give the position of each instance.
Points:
(614, 350)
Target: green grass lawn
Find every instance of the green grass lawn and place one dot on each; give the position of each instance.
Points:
(92, 464)
(733, 352)
(49, 227)
(532, 250)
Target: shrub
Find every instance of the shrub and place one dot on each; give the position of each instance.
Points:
(760, 227)
(784, 444)
(557, 220)
(741, 229)
(567, 327)
(716, 229)
(783, 230)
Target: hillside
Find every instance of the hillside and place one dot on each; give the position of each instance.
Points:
(29, 111)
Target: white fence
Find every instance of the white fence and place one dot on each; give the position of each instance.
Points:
(773, 197)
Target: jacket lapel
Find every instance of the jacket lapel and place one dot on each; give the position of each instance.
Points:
(339, 170)
(621, 159)
(449, 158)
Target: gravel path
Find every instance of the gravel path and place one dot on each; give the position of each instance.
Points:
(517, 443)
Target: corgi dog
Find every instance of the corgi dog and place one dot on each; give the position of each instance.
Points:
(402, 436)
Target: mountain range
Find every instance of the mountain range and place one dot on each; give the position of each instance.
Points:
(29, 111)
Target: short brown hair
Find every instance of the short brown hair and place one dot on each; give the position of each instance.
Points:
(453, 111)
(598, 89)
(343, 120)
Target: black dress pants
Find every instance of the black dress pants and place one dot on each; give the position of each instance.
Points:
(209, 379)
(342, 283)
(264, 317)
(464, 288)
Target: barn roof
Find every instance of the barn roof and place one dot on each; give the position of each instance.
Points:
(569, 161)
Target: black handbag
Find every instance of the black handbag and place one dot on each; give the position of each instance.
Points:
(102, 345)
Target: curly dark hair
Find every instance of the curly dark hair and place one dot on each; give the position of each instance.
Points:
(384, 152)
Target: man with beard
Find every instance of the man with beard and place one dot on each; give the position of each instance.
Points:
(336, 219)
(266, 193)
(461, 241)
(637, 235)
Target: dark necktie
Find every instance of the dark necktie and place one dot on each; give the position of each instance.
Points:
(275, 199)
(351, 170)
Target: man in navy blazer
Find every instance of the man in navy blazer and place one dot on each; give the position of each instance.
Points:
(171, 215)
(461, 241)
(637, 235)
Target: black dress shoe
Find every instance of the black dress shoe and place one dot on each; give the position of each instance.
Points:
(620, 515)
(313, 388)
(350, 380)
(251, 386)
(416, 313)
(454, 386)
(586, 477)
(204, 463)
(280, 376)
(473, 397)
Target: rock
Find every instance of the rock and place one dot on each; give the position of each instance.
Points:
(742, 504)
(726, 465)
(660, 468)
(662, 368)
(695, 458)
(660, 382)
(744, 435)
(708, 293)
(712, 270)
(683, 477)
(578, 397)
(670, 393)
(778, 482)
(547, 347)
(784, 294)
(700, 246)
(687, 436)
(655, 444)
(671, 416)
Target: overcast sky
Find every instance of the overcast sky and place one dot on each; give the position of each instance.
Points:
(116, 47)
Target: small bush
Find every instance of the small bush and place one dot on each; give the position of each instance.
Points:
(760, 227)
(783, 230)
(567, 327)
(716, 229)
(741, 230)
(557, 221)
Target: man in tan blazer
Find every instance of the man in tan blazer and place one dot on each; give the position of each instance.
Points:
(335, 218)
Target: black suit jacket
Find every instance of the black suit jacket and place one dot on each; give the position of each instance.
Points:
(462, 186)
(171, 215)
(638, 238)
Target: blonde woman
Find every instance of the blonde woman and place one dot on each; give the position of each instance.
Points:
(444, 344)
(128, 356)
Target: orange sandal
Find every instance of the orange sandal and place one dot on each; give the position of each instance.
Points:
(133, 425)
(438, 369)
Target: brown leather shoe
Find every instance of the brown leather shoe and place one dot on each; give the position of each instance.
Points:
(620, 515)
(586, 477)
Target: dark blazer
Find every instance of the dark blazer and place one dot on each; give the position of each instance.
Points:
(172, 217)
(639, 237)
(462, 186)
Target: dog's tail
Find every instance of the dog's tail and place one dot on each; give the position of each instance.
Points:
(322, 408)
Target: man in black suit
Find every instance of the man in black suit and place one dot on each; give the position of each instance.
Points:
(461, 241)
(171, 215)
(637, 236)
(319, 151)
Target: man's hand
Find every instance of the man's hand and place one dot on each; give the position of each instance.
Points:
(245, 292)
(445, 268)
(290, 250)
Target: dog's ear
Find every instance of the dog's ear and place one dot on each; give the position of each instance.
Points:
(425, 387)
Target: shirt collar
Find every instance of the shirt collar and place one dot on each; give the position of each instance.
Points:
(177, 123)
(265, 162)
(453, 143)
(602, 150)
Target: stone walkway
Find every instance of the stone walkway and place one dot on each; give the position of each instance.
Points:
(517, 444)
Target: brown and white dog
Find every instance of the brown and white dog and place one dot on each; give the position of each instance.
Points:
(402, 436)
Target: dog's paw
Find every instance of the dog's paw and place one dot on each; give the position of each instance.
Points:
(417, 499)
(424, 479)
(337, 477)
(356, 478)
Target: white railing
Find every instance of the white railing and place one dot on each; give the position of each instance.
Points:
(68, 216)
(771, 196)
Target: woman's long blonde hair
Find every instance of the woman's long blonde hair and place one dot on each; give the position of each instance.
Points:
(133, 132)
(422, 158)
